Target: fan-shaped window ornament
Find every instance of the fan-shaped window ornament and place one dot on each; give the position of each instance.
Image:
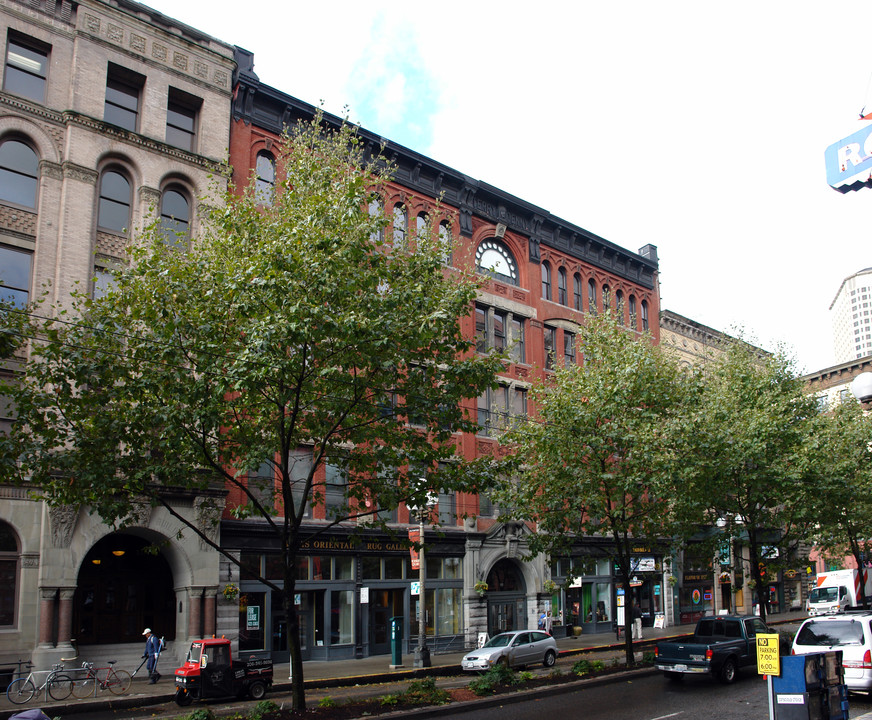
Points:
(494, 259)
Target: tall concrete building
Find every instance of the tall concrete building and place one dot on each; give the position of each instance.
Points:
(851, 313)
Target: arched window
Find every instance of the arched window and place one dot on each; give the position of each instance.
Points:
(561, 286)
(632, 309)
(19, 174)
(445, 241)
(376, 210)
(175, 217)
(422, 223)
(576, 291)
(265, 178)
(9, 554)
(607, 297)
(113, 211)
(591, 296)
(494, 259)
(401, 224)
(619, 305)
(546, 281)
(644, 315)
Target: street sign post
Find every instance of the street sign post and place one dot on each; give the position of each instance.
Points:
(769, 664)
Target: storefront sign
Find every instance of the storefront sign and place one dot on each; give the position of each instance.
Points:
(696, 578)
(849, 161)
(333, 544)
(252, 617)
(643, 564)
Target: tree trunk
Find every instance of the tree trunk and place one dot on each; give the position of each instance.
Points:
(298, 691)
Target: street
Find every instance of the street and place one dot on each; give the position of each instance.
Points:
(655, 698)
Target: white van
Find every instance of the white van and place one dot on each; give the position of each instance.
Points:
(851, 633)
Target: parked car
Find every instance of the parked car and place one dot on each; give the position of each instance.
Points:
(849, 632)
(721, 646)
(513, 649)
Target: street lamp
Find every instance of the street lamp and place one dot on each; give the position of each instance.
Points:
(422, 652)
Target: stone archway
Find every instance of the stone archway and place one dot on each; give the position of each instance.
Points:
(506, 597)
(123, 586)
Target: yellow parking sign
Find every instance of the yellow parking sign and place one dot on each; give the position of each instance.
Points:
(768, 659)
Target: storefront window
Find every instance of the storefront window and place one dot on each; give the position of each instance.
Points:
(371, 568)
(249, 566)
(448, 610)
(341, 617)
(453, 568)
(344, 567)
(603, 607)
(321, 567)
(394, 568)
(251, 621)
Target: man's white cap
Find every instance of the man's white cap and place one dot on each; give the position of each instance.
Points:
(147, 631)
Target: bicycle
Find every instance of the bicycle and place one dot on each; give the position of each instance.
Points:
(115, 681)
(23, 689)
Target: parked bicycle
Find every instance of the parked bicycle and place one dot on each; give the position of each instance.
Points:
(57, 684)
(115, 681)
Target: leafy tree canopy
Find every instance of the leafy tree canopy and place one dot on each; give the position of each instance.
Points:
(603, 455)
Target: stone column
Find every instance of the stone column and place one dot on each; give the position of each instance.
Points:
(65, 617)
(209, 603)
(195, 608)
(46, 616)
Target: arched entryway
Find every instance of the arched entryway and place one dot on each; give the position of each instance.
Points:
(124, 585)
(506, 598)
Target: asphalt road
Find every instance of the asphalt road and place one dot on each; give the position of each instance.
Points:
(655, 698)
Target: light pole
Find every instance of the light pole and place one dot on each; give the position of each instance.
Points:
(422, 652)
(861, 387)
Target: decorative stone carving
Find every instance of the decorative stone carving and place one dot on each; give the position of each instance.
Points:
(51, 170)
(30, 561)
(180, 61)
(220, 78)
(92, 23)
(62, 519)
(208, 513)
(140, 513)
(137, 43)
(79, 172)
(115, 33)
(158, 51)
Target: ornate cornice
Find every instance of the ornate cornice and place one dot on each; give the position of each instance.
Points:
(79, 172)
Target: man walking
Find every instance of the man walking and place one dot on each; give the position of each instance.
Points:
(152, 653)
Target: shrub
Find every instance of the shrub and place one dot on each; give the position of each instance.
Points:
(201, 714)
(582, 668)
(482, 686)
(597, 665)
(497, 675)
(262, 709)
(525, 676)
(326, 702)
(388, 700)
(648, 657)
(425, 692)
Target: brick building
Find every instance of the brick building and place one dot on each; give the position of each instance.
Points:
(544, 276)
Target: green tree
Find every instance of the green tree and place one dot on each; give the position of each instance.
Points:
(602, 457)
(842, 449)
(292, 323)
(750, 435)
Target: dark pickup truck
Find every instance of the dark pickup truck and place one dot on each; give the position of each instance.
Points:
(721, 646)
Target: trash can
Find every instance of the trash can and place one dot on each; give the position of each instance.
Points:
(397, 641)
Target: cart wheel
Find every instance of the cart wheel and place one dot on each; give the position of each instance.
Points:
(183, 698)
(257, 690)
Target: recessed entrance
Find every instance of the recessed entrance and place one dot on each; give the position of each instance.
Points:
(506, 598)
(123, 588)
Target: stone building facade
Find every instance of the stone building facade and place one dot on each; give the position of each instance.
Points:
(111, 115)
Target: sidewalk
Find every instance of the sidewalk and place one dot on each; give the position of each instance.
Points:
(375, 669)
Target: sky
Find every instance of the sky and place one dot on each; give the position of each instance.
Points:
(698, 127)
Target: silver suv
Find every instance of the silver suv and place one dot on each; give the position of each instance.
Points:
(849, 632)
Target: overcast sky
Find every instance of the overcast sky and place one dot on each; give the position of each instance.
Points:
(698, 127)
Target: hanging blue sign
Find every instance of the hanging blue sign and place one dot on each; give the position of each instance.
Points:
(849, 161)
